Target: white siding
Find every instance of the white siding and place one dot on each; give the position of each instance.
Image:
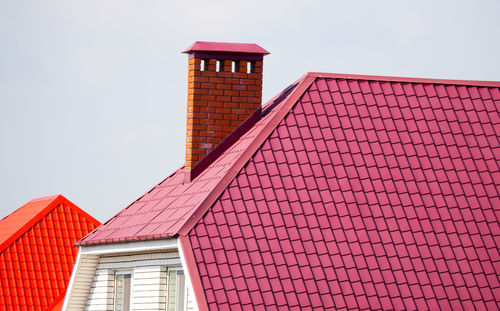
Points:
(149, 280)
(83, 279)
(189, 297)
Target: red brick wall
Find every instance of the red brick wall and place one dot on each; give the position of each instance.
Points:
(218, 102)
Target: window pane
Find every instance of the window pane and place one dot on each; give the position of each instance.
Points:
(180, 290)
(122, 292)
(172, 286)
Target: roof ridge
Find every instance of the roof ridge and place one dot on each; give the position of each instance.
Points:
(403, 79)
(31, 221)
(52, 203)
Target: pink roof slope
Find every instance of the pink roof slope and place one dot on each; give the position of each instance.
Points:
(355, 192)
(368, 195)
(37, 252)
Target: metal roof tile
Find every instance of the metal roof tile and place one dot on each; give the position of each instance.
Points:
(39, 237)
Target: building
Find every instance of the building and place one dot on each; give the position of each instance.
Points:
(37, 252)
(342, 192)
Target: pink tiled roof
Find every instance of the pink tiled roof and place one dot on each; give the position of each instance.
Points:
(355, 192)
(367, 195)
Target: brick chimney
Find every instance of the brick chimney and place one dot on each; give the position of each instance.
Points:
(224, 91)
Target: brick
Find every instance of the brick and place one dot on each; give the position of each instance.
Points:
(238, 87)
(200, 79)
(224, 74)
(208, 85)
(231, 81)
(257, 88)
(221, 134)
(238, 99)
(214, 128)
(247, 93)
(240, 75)
(223, 110)
(222, 122)
(207, 109)
(238, 111)
(248, 81)
(208, 73)
(199, 115)
(224, 86)
(192, 133)
(216, 80)
(208, 97)
(192, 97)
(207, 121)
(249, 106)
(198, 91)
(231, 117)
(223, 98)
(216, 104)
(256, 76)
(231, 93)
(236, 123)
(215, 116)
(213, 139)
(216, 92)
(231, 104)
(256, 100)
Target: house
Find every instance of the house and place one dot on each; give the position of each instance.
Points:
(37, 252)
(342, 192)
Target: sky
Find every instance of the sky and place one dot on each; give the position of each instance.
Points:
(93, 93)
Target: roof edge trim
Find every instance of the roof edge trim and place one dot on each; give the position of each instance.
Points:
(194, 274)
(303, 84)
(403, 79)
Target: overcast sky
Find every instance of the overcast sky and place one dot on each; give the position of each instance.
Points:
(93, 93)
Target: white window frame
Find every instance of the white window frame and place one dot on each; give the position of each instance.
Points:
(122, 272)
(185, 298)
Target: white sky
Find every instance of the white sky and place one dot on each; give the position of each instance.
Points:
(93, 93)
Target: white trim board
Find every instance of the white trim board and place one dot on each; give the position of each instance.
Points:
(129, 247)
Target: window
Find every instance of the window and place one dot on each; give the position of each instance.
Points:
(122, 291)
(176, 290)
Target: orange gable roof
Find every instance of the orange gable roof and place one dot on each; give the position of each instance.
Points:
(37, 252)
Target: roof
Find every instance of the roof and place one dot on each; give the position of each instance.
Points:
(351, 192)
(37, 252)
(245, 48)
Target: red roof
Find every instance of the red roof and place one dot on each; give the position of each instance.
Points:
(352, 192)
(37, 252)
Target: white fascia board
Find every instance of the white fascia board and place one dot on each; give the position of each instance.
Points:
(188, 278)
(127, 247)
(72, 279)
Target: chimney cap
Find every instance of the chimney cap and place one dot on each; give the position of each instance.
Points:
(225, 47)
